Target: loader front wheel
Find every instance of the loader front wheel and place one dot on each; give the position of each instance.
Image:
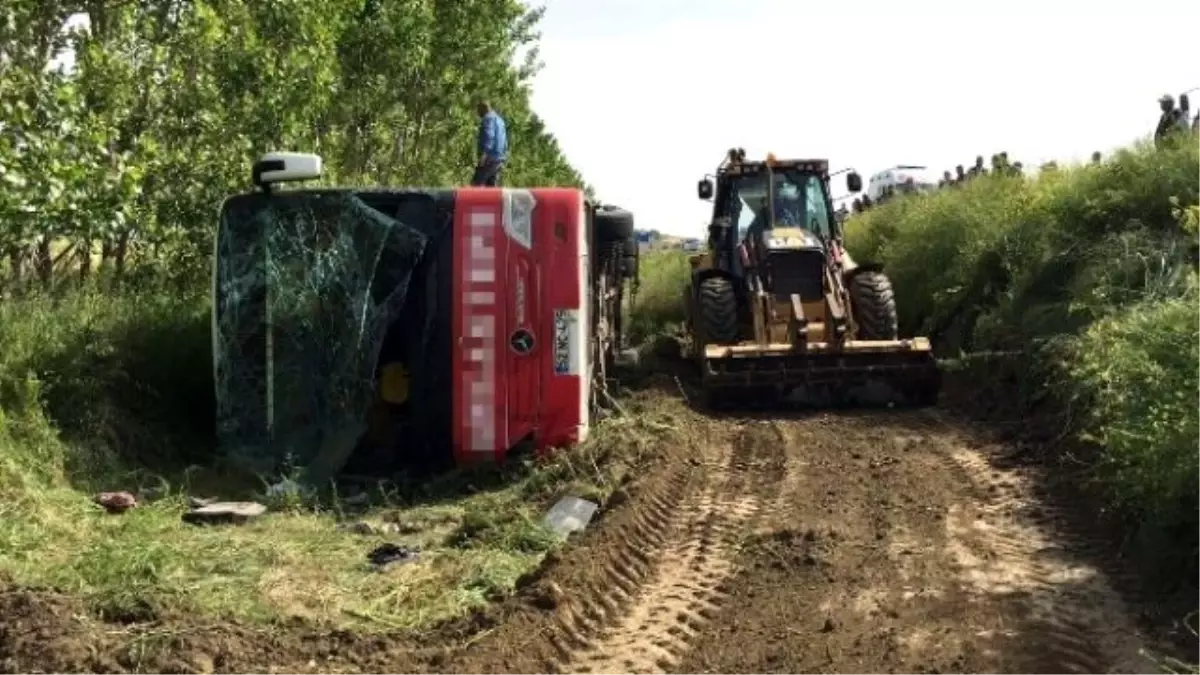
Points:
(874, 305)
(718, 316)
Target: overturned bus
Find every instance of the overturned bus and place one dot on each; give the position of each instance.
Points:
(388, 330)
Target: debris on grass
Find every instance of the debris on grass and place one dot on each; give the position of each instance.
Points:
(477, 533)
(224, 512)
(288, 490)
(569, 515)
(365, 528)
(116, 502)
(389, 553)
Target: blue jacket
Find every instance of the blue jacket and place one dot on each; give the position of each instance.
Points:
(493, 137)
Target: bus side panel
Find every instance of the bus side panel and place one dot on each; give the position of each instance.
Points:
(563, 249)
(480, 406)
(522, 343)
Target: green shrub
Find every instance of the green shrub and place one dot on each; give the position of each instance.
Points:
(125, 381)
(1092, 272)
(658, 307)
(1140, 373)
(1003, 260)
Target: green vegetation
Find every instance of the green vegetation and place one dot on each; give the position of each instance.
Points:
(110, 178)
(114, 393)
(1091, 273)
(126, 157)
(658, 306)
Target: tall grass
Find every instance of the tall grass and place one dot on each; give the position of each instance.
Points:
(658, 306)
(94, 386)
(1091, 271)
(114, 392)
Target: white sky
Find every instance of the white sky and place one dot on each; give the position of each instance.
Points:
(645, 96)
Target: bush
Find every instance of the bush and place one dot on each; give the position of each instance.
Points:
(658, 306)
(1140, 373)
(1092, 272)
(1032, 255)
(124, 381)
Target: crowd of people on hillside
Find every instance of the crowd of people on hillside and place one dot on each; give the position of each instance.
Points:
(493, 154)
(1000, 166)
(1174, 118)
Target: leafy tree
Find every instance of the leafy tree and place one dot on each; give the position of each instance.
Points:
(127, 155)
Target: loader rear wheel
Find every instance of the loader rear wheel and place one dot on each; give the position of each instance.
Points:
(874, 305)
(718, 317)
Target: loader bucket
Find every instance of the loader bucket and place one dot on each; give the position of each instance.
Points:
(860, 372)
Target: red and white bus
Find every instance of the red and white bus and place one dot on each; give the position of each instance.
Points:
(438, 326)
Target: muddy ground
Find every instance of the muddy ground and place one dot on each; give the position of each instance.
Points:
(868, 541)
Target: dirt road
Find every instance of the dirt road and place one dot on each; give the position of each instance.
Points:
(876, 542)
(842, 542)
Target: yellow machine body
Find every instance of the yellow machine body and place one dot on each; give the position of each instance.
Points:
(784, 309)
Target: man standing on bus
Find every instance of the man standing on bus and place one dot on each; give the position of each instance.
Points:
(493, 147)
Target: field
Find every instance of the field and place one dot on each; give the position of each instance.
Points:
(1041, 518)
(1046, 531)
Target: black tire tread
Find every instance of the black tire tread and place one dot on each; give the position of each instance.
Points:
(874, 304)
(718, 311)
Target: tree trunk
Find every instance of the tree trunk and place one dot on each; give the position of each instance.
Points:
(85, 262)
(120, 256)
(16, 262)
(44, 262)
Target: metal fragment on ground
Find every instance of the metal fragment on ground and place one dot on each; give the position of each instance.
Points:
(570, 514)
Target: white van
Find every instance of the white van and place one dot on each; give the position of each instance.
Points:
(900, 177)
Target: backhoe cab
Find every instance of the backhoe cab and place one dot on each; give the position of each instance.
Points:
(776, 305)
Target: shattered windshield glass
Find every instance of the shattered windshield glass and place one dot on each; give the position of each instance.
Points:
(306, 285)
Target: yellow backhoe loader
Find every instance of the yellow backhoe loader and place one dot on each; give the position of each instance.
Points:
(777, 308)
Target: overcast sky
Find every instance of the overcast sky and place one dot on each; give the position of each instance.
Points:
(645, 96)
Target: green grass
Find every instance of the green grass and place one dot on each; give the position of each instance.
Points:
(115, 393)
(1091, 272)
(658, 306)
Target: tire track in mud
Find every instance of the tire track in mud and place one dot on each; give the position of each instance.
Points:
(898, 546)
(823, 582)
(653, 628)
(851, 543)
(1009, 544)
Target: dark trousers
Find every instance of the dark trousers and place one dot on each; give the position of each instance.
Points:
(488, 175)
